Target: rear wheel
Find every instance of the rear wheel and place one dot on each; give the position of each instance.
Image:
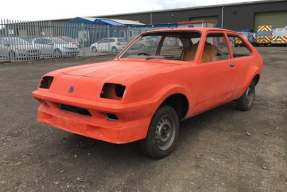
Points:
(245, 102)
(94, 49)
(12, 56)
(57, 53)
(162, 134)
(114, 50)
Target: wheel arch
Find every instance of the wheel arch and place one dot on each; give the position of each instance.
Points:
(253, 77)
(256, 79)
(179, 102)
(57, 49)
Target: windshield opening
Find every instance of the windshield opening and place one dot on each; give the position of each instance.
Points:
(165, 45)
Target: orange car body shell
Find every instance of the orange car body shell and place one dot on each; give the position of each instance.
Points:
(148, 83)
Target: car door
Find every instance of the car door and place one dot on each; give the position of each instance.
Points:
(44, 46)
(51, 45)
(110, 44)
(107, 45)
(2, 49)
(214, 72)
(101, 45)
(5, 48)
(240, 60)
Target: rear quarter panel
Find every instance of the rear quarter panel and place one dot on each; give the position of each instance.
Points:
(252, 66)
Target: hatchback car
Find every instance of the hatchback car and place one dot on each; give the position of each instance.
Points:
(56, 47)
(112, 45)
(18, 48)
(143, 94)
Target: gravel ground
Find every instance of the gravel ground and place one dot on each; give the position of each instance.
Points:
(223, 150)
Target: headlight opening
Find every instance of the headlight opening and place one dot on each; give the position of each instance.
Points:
(46, 82)
(113, 91)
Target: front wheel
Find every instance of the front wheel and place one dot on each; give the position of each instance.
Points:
(57, 53)
(12, 56)
(162, 134)
(94, 49)
(114, 50)
(245, 102)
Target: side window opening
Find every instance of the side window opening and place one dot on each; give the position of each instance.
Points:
(240, 49)
(215, 48)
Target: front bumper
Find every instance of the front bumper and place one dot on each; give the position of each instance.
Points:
(132, 125)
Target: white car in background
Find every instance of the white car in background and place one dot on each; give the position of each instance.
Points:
(113, 45)
(17, 48)
(56, 47)
(71, 40)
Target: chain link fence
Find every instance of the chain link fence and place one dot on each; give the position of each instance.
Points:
(22, 41)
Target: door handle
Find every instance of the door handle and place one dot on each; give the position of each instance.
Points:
(232, 65)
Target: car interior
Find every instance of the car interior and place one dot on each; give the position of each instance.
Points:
(209, 54)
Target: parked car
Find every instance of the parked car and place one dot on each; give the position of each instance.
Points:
(56, 47)
(17, 48)
(112, 45)
(146, 43)
(70, 40)
(142, 95)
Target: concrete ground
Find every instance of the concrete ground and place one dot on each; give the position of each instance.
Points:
(223, 150)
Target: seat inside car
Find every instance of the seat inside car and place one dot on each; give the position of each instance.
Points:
(209, 53)
(189, 52)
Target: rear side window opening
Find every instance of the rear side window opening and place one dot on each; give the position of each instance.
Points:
(215, 48)
(165, 45)
(240, 49)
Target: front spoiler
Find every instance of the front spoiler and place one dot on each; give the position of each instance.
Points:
(133, 123)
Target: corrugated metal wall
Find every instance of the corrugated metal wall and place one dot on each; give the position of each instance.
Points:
(276, 19)
(237, 17)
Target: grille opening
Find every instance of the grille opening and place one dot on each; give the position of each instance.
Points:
(112, 117)
(113, 91)
(79, 110)
(46, 82)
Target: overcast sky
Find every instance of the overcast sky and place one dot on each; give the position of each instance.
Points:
(57, 9)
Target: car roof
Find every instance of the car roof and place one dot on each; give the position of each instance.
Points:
(190, 29)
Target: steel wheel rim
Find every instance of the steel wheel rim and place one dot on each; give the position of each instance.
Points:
(165, 133)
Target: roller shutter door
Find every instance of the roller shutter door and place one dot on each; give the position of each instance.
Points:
(276, 19)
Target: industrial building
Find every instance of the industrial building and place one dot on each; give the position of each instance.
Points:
(238, 16)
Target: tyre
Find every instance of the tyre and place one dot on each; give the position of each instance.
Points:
(94, 49)
(57, 53)
(162, 134)
(12, 56)
(114, 50)
(245, 102)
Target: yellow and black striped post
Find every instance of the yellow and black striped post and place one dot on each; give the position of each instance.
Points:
(279, 39)
(264, 34)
